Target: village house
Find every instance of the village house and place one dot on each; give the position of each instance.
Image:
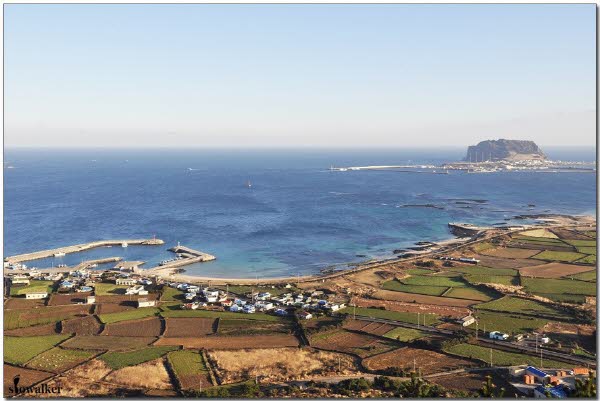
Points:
(125, 281)
(19, 280)
(305, 315)
(144, 303)
(36, 295)
(496, 335)
(466, 321)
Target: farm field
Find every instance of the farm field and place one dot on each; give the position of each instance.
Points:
(189, 326)
(276, 365)
(522, 306)
(590, 260)
(471, 382)
(148, 375)
(399, 306)
(558, 286)
(553, 270)
(176, 312)
(386, 295)
(558, 256)
(88, 325)
(22, 303)
(58, 360)
(134, 314)
(469, 293)
(34, 286)
(67, 299)
(39, 330)
(500, 358)
(506, 263)
(434, 281)
(587, 276)
(170, 294)
(237, 327)
(508, 323)
(403, 334)
(511, 253)
(27, 377)
(17, 318)
(109, 343)
(486, 278)
(538, 233)
(482, 270)
(148, 327)
(378, 329)
(109, 289)
(231, 342)
(360, 344)
(189, 369)
(386, 314)
(407, 357)
(395, 285)
(119, 360)
(19, 350)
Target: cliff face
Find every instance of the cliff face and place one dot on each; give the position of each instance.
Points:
(504, 149)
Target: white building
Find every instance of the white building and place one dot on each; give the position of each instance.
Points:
(36, 295)
(144, 303)
(126, 281)
(496, 335)
(19, 280)
(467, 320)
(90, 299)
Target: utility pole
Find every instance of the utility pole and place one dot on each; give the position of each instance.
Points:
(414, 364)
(354, 311)
(536, 341)
(418, 318)
(339, 364)
(541, 358)
(477, 329)
(491, 363)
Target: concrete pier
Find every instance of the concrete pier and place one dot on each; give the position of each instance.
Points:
(186, 252)
(79, 248)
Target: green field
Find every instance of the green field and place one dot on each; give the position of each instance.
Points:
(585, 276)
(19, 350)
(571, 298)
(434, 281)
(483, 246)
(118, 360)
(559, 256)
(109, 289)
(187, 365)
(34, 286)
(128, 315)
(170, 294)
(404, 334)
(581, 242)
(176, 312)
(482, 270)
(17, 318)
(590, 260)
(588, 250)
(507, 323)
(58, 359)
(394, 285)
(500, 358)
(486, 278)
(521, 306)
(418, 272)
(552, 241)
(558, 286)
(468, 293)
(391, 315)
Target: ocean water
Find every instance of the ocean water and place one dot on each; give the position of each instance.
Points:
(296, 218)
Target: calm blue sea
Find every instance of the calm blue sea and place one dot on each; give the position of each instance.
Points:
(297, 217)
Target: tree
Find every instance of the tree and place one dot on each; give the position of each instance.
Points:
(251, 390)
(416, 388)
(587, 388)
(488, 389)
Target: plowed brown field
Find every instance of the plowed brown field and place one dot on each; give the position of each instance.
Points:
(231, 342)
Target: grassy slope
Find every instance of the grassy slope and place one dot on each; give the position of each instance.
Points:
(19, 350)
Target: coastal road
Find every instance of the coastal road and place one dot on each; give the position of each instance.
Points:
(499, 345)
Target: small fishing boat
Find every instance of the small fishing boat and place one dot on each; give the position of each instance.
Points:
(249, 184)
(124, 245)
(59, 254)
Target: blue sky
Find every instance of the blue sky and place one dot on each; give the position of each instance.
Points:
(298, 75)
